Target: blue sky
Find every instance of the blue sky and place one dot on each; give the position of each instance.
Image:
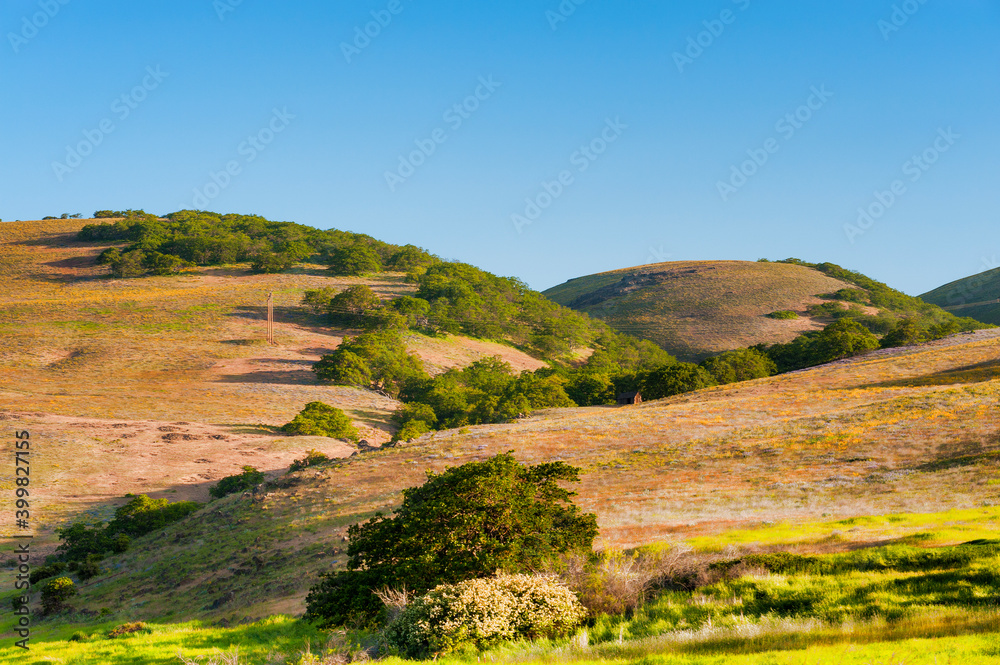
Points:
(586, 137)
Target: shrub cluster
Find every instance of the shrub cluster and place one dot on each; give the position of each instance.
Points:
(319, 419)
(84, 544)
(312, 458)
(240, 482)
(192, 237)
(843, 338)
(483, 612)
(487, 391)
(895, 304)
(467, 522)
(55, 593)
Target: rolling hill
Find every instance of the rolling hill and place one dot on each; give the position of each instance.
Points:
(161, 385)
(694, 309)
(977, 296)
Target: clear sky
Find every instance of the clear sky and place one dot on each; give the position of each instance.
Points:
(539, 139)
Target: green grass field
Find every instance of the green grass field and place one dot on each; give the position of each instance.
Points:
(893, 604)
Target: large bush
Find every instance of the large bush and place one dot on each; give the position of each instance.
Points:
(373, 360)
(356, 259)
(843, 338)
(319, 419)
(739, 365)
(467, 522)
(240, 482)
(483, 612)
(141, 515)
(353, 306)
(675, 379)
(487, 391)
(55, 593)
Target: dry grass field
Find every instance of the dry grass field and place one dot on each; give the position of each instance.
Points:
(159, 385)
(698, 308)
(165, 384)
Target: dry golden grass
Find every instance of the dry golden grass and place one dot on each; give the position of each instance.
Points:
(698, 308)
(869, 436)
(83, 354)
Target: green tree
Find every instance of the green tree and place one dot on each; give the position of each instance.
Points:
(82, 538)
(467, 522)
(843, 339)
(164, 264)
(318, 300)
(415, 310)
(268, 262)
(675, 379)
(374, 360)
(240, 482)
(906, 332)
(319, 419)
(353, 305)
(739, 365)
(130, 264)
(142, 515)
(355, 259)
(55, 593)
(343, 367)
(410, 257)
(591, 389)
(411, 430)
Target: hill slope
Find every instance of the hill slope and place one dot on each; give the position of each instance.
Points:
(158, 385)
(910, 430)
(977, 296)
(697, 308)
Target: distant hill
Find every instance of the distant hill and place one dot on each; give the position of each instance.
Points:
(977, 297)
(696, 308)
(163, 385)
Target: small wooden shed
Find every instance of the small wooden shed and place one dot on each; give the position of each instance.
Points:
(634, 397)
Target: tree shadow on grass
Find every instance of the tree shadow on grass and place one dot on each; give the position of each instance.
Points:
(299, 377)
(977, 373)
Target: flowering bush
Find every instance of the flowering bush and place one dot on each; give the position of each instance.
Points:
(484, 611)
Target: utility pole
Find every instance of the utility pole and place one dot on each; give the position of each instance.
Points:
(270, 318)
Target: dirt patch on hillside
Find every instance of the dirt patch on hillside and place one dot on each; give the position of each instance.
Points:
(88, 464)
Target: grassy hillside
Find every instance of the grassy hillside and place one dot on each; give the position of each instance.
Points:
(810, 460)
(161, 385)
(165, 384)
(697, 308)
(977, 296)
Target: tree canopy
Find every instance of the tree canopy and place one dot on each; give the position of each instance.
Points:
(466, 522)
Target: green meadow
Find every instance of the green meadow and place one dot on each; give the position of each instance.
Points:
(763, 602)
